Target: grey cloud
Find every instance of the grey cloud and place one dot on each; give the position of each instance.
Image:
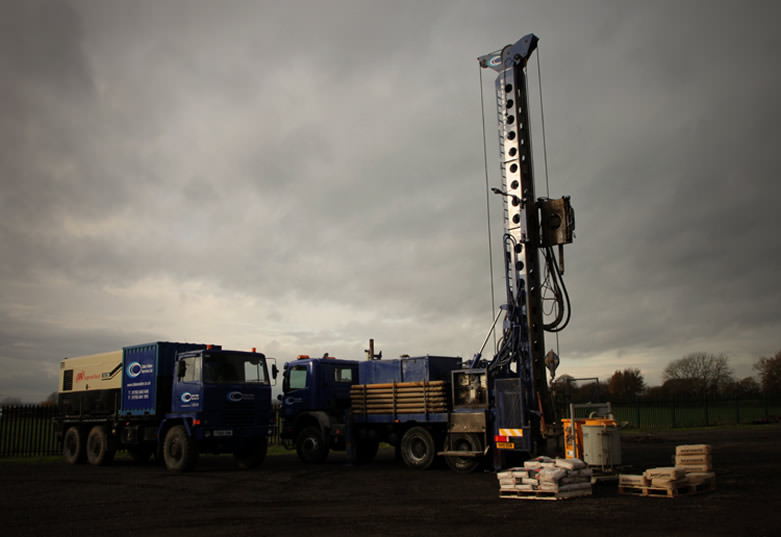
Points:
(312, 153)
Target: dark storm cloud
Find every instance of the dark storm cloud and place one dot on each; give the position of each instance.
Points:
(50, 156)
(686, 241)
(314, 170)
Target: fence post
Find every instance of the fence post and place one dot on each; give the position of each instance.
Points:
(15, 430)
(27, 430)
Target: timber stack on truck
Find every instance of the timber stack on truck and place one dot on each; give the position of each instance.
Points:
(498, 408)
(171, 400)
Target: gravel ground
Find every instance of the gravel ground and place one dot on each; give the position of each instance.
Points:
(285, 497)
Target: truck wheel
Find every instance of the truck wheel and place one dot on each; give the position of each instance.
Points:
(464, 442)
(252, 454)
(99, 449)
(417, 448)
(311, 446)
(73, 450)
(179, 450)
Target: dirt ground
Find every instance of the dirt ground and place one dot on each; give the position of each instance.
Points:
(285, 497)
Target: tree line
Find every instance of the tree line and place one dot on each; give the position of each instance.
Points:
(696, 376)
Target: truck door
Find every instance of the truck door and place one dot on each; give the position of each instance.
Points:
(337, 379)
(188, 389)
(295, 385)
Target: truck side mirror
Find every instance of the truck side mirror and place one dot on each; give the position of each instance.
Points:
(274, 371)
(279, 397)
(181, 369)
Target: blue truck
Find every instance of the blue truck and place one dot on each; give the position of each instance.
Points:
(170, 400)
(426, 406)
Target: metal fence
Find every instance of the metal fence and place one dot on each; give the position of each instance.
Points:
(672, 414)
(28, 431)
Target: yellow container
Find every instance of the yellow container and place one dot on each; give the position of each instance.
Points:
(575, 450)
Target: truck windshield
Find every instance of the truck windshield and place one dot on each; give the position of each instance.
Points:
(226, 367)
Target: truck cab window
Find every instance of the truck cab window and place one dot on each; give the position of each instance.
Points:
(343, 374)
(254, 372)
(190, 370)
(297, 380)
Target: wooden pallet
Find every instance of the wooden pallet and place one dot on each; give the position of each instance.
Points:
(689, 489)
(543, 494)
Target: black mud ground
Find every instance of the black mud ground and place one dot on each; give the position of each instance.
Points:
(285, 497)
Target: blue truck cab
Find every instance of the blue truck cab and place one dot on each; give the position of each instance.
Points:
(316, 397)
(221, 401)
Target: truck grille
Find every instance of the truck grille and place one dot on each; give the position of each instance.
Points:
(241, 413)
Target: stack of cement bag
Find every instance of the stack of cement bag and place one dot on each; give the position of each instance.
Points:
(696, 461)
(692, 473)
(693, 458)
(557, 477)
(665, 477)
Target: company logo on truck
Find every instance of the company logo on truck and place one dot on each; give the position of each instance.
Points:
(82, 376)
(133, 369)
(235, 397)
(188, 397)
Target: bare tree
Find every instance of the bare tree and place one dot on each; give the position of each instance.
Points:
(770, 374)
(704, 373)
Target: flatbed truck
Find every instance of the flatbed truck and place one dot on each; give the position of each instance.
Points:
(424, 406)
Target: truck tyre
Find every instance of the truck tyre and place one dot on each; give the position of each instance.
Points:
(179, 450)
(464, 442)
(73, 449)
(311, 446)
(417, 448)
(99, 449)
(252, 454)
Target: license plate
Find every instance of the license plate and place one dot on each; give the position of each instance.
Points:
(505, 445)
(227, 432)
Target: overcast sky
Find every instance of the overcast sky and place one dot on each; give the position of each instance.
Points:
(302, 176)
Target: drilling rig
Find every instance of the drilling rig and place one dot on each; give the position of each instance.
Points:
(524, 417)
